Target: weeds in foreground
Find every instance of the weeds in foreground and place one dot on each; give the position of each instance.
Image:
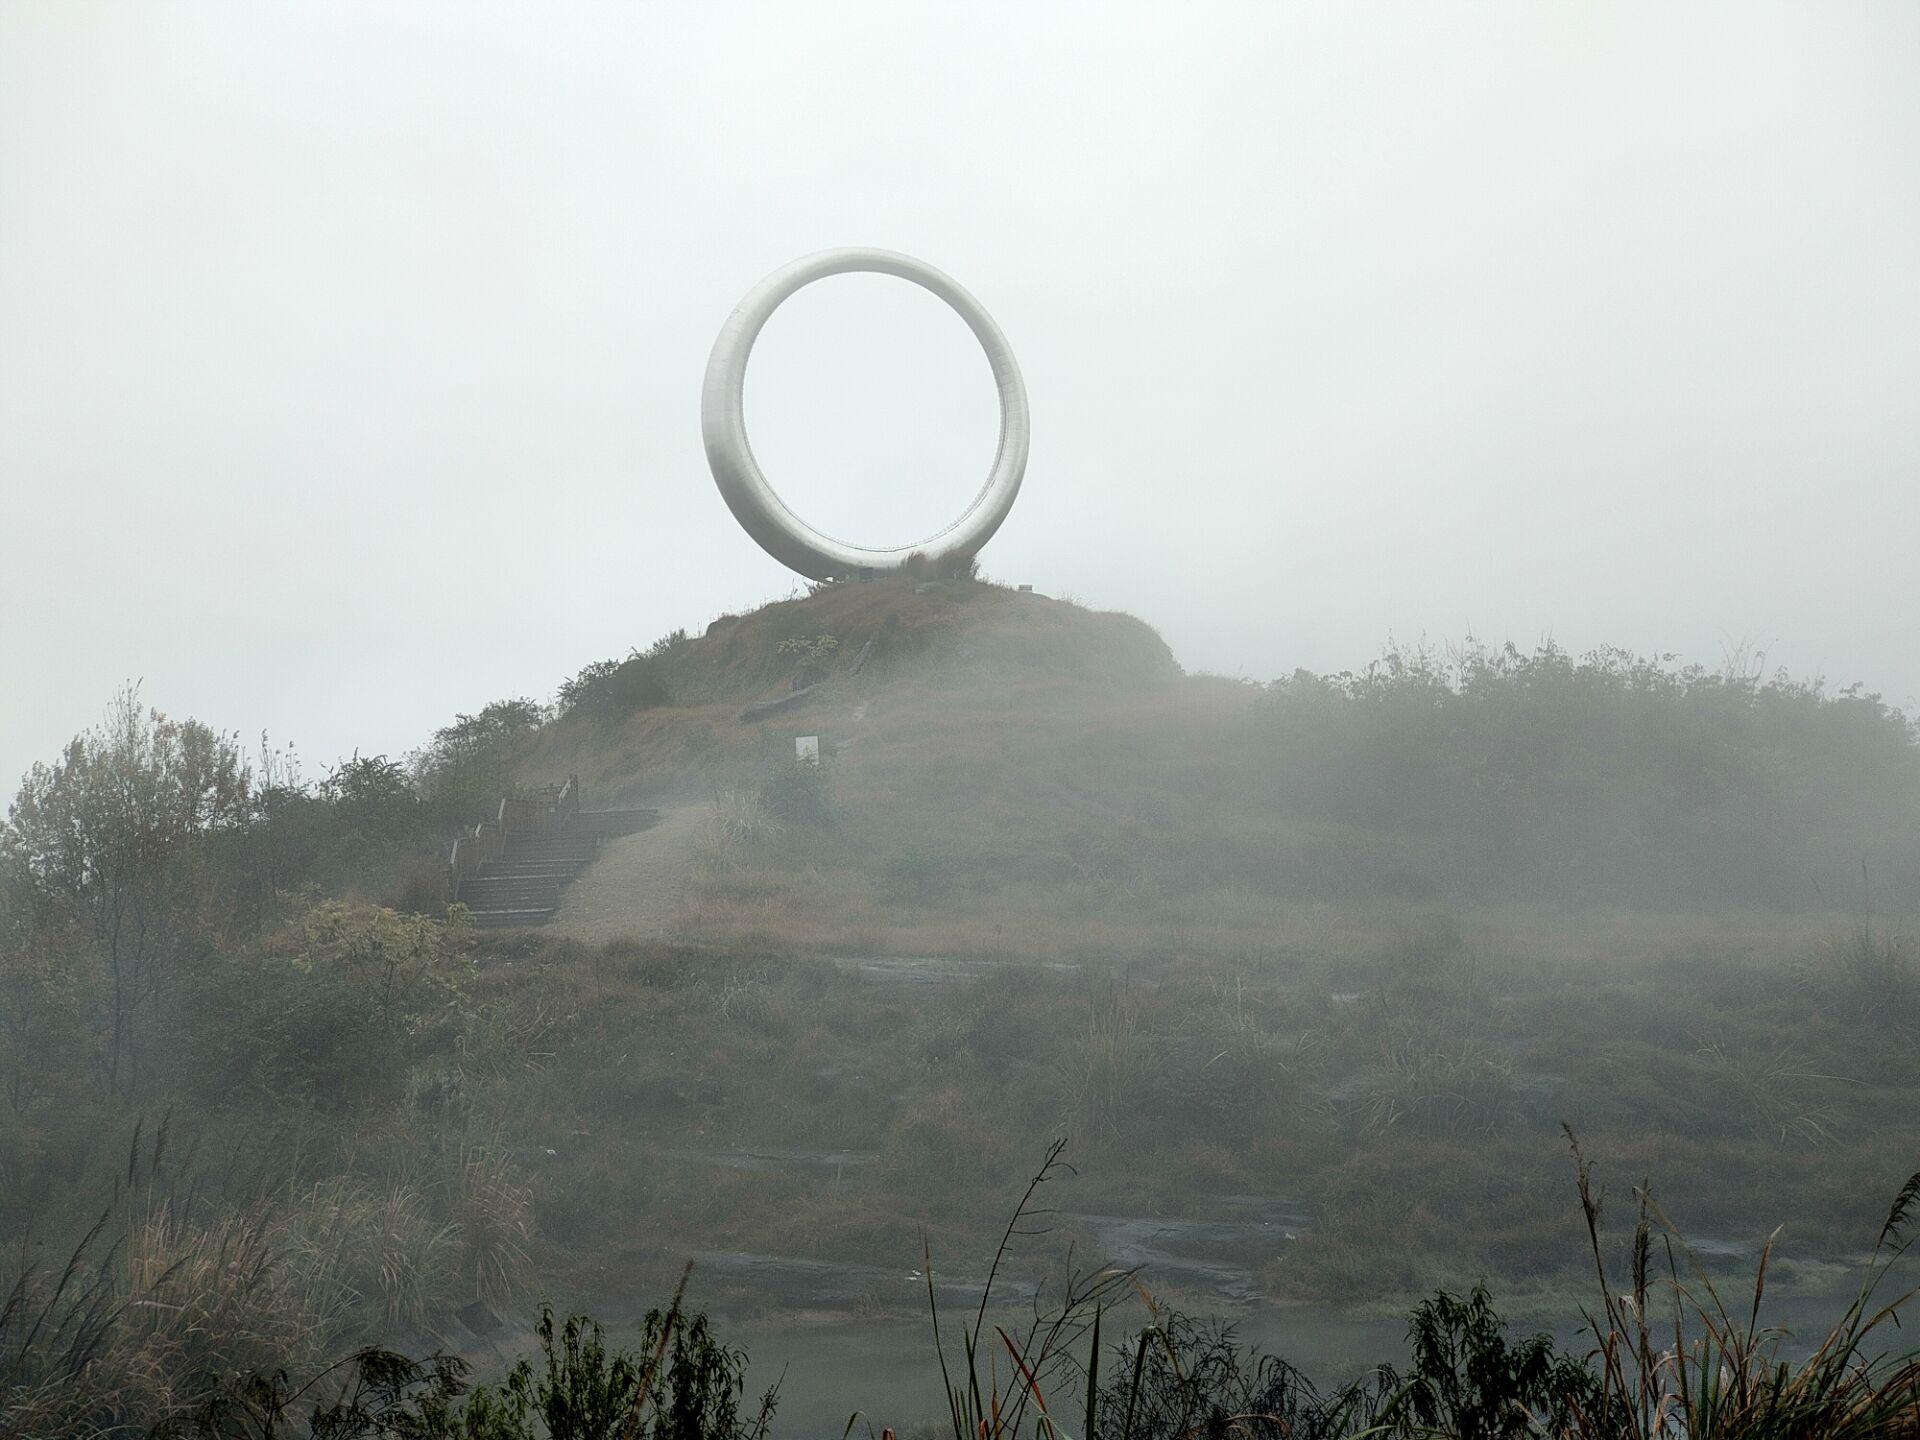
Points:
(127, 1328)
(174, 1288)
(680, 1384)
(1725, 1378)
(992, 1410)
(1720, 1377)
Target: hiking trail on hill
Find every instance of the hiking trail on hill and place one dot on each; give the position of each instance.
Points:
(634, 886)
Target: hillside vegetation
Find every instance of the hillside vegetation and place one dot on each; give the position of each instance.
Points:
(1366, 940)
(1004, 749)
(1353, 947)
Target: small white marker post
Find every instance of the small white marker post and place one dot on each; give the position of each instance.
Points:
(806, 749)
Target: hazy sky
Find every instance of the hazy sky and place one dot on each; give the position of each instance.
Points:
(350, 355)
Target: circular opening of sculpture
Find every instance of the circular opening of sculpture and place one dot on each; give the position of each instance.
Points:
(871, 409)
(849, 432)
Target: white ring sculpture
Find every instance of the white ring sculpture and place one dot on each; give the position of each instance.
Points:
(762, 513)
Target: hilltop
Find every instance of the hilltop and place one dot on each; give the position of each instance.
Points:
(1007, 773)
(855, 643)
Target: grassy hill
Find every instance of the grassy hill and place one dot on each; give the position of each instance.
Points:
(951, 635)
(1363, 940)
(1006, 768)
(1347, 950)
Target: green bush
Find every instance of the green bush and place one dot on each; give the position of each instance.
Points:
(679, 1384)
(613, 689)
(468, 765)
(335, 1012)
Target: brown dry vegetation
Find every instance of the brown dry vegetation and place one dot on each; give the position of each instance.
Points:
(1601, 891)
(1362, 943)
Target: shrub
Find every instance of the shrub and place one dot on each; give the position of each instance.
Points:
(467, 766)
(371, 1250)
(336, 1011)
(797, 792)
(810, 654)
(680, 1384)
(613, 689)
(1467, 1380)
(1182, 1379)
(493, 1215)
(1606, 776)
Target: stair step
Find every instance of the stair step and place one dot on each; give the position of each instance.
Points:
(523, 884)
(503, 919)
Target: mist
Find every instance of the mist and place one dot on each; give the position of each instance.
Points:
(1590, 324)
(1394, 865)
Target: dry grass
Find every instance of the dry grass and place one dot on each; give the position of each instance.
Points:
(376, 1252)
(173, 1288)
(1715, 1372)
(130, 1332)
(493, 1218)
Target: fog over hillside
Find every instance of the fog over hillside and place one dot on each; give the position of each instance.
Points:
(794, 947)
(1596, 323)
(1379, 901)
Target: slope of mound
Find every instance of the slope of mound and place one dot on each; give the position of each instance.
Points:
(847, 646)
(945, 623)
(1007, 773)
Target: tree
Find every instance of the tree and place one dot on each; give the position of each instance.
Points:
(115, 840)
(40, 1019)
(467, 763)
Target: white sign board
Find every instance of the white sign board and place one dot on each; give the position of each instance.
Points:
(806, 749)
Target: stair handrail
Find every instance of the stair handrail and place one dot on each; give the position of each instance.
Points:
(547, 808)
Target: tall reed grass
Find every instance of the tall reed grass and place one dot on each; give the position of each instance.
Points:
(1669, 1359)
(172, 1290)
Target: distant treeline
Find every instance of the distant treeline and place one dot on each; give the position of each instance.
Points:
(1609, 777)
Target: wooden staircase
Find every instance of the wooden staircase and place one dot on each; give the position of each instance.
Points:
(512, 869)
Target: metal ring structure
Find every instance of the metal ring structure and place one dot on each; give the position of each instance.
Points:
(761, 511)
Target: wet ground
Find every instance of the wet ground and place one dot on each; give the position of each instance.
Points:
(889, 1370)
(776, 1157)
(1221, 1257)
(842, 1337)
(914, 970)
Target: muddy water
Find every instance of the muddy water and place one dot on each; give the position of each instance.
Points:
(855, 1337)
(888, 1370)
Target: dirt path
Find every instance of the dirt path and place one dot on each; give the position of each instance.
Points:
(635, 885)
